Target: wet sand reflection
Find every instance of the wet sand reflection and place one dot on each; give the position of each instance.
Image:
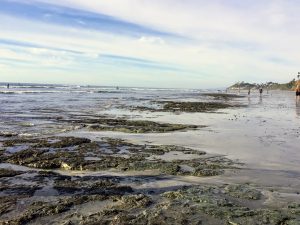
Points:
(298, 107)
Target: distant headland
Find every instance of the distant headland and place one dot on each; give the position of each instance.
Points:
(268, 85)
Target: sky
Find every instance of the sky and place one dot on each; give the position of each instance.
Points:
(149, 43)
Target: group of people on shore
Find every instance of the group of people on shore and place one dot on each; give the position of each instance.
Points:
(297, 90)
(260, 91)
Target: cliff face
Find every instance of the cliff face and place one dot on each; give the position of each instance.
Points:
(269, 85)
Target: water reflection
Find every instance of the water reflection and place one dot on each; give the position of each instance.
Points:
(298, 107)
(260, 100)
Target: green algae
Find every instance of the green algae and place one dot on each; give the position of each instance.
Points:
(242, 191)
(189, 107)
(135, 126)
(194, 106)
(69, 153)
(198, 204)
(223, 96)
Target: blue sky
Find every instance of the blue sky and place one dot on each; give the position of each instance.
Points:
(170, 43)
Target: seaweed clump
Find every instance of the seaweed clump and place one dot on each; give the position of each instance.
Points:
(223, 96)
(194, 106)
(190, 107)
(132, 126)
(224, 205)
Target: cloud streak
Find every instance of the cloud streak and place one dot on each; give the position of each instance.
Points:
(81, 19)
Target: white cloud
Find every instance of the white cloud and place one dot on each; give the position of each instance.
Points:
(152, 40)
(3, 66)
(225, 41)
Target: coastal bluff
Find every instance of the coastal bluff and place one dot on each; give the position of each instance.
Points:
(268, 85)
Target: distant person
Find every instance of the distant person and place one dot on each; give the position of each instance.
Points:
(298, 91)
(7, 86)
(249, 91)
(260, 91)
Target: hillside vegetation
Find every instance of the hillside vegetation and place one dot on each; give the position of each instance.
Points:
(269, 85)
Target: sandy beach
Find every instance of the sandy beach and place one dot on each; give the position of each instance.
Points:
(98, 155)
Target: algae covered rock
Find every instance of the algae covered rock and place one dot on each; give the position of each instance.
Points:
(172, 194)
(136, 126)
(7, 203)
(194, 106)
(135, 201)
(70, 153)
(223, 96)
(207, 172)
(243, 191)
(50, 142)
(294, 208)
(178, 106)
(9, 173)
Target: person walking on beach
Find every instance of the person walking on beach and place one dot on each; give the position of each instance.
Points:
(298, 91)
(249, 91)
(7, 86)
(260, 91)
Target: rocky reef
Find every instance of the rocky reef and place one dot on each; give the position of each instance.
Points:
(129, 126)
(46, 190)
(223, 96)
(71, 153)
(232, 204)
(195, 106)
(88, 200)
(190, 107)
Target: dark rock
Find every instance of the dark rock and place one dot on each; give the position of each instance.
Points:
(9, 173)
